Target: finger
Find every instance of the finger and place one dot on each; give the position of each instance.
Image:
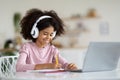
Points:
(69, 66)
(72, 66)
(58, 66)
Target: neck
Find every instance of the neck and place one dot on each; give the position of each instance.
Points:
(40, 45)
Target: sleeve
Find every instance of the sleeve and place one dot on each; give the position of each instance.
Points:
(61, 59)
(21, 65)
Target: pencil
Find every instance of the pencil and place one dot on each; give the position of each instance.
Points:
(56, 59)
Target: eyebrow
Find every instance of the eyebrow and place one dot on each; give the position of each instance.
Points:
(47, 32)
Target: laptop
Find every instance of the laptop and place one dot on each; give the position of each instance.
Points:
(101, 56)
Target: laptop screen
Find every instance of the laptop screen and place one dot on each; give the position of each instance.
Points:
(102, 56)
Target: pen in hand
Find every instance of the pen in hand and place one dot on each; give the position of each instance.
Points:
(56, 59)
(58, 65)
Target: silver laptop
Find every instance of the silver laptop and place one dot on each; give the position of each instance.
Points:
(101, 56)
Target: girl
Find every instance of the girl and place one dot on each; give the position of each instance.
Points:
(41, 27)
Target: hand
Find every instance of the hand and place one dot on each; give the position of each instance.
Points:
(71, 66)
(57, 66)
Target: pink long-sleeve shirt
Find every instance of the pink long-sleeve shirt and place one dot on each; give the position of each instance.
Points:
(30, 55)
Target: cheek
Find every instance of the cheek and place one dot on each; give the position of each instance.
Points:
(42, 36)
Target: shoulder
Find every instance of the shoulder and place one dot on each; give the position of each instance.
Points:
(53, 48)
(27, 45)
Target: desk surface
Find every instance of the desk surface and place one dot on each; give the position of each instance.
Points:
(65, 76)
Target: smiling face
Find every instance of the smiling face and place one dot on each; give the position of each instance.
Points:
(45, 36)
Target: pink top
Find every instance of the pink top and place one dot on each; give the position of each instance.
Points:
(30, 55)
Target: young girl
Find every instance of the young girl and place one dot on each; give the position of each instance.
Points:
(41, 27)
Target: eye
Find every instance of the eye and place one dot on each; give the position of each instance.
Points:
(51, 34)
(45, 33)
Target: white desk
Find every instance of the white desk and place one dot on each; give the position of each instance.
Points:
(109, 75)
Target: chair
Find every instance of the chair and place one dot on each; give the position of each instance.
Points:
(7, 66)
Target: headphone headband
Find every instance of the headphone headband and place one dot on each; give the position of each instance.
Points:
(42, 17)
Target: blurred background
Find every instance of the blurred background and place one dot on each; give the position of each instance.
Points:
(86, 21)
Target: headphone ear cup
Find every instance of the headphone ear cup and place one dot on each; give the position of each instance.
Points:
(54, 34)
(36, 33)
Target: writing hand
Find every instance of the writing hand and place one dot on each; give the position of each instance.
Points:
(71, 66)
(58, 66)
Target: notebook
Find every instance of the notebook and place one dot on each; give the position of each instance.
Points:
(101, 56)
(47, 71)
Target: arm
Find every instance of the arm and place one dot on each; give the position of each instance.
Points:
(47, 66)
(21, 64)
(66, 65)
(63, 61)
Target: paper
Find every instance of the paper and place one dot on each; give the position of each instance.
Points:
(47, 70)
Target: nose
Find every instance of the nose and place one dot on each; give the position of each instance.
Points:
(48, 36)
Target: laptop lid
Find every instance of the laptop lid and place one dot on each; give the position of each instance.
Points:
(101, 56)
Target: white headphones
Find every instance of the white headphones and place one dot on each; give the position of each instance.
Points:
(54, 33)
(35, 31)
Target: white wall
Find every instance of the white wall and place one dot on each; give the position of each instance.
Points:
(108, 9)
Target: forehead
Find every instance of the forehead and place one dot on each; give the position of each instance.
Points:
(48, 29)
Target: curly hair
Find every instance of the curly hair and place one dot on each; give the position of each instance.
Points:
(32, 15)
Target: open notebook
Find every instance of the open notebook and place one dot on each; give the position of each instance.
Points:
(101, 56)
(47, 70)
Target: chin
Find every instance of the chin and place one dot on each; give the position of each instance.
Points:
(47, 42)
